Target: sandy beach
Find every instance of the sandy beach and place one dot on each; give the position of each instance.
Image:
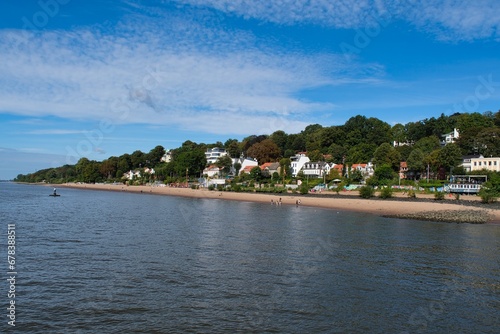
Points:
(349, 201)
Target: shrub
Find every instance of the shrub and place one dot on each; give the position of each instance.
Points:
(366, 192)
(488, 196)
(457, 196)
(211, 187)
(439, 196)
(386, 193)
(304, 189)
(412, 193)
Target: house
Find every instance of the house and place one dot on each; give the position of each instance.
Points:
(317, 168)
(130, 175)
(244, 162)
(450, 137)
(467, 163)
(212, 171)
(269, 168)
(213, 154)
(366, 170)
(298, 162)
(167, 157)
(246, 169)
(491, 164)
(403, 169)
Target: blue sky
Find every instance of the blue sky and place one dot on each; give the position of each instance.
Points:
(102, 78)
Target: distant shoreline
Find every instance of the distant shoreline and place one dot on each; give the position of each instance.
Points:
(423, 208)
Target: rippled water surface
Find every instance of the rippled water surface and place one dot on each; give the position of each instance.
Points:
(108, 262)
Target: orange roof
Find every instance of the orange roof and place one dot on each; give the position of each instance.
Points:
(339, 167)
(265, 165)
(403, 164)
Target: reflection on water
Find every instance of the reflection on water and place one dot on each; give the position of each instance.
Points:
(108, 262)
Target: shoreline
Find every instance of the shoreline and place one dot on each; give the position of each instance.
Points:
(423, 208)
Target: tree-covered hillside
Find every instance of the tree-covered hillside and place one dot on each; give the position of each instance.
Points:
(359, 140)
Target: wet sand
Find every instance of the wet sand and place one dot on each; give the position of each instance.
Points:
(349, 201)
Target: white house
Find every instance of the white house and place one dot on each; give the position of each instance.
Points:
(450, 137)
(317, 168)
(467, 161)
(132, 174)
(492, 164)
(366, 170)
(298, 162)
(244, 162)
(214, 154)
(167, 157)
(212, 171)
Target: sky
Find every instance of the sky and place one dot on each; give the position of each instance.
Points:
(102, 78)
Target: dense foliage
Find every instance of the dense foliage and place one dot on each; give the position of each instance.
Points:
(359, 140)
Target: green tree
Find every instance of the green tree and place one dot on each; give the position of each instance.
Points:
(264, 151)
(154, 156)
(415, 162)
(237, 167)
(233, 148)
(449, 156)
(386, 154)
(225, 164)
(256, 174)
(427, 144)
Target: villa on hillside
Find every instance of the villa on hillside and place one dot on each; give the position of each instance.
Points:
(298, 162)
(167, 157)
(449, 138)
(214, 154)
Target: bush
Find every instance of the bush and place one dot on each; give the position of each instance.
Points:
(304, 189)
(412, 193)
(386, 193)
(439, 196)
(488, 196)
(457, 196)
(366, 192)
(211, 187)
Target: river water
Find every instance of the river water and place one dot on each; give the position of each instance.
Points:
(109, 262)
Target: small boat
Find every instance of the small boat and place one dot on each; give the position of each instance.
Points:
(54, 195)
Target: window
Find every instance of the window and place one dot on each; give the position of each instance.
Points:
(475, 163)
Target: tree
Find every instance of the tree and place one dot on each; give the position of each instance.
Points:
(154, 156)
(383, 175)
(256, 173)
(449, 156)
(264, 151)
(427, 144)
(285, 167)
(415, 162)
(386, 154)
(398, 133)
(315, 155)
(237, 167)
(233, 148)
(225, 164)
(280, 139)
(360, 153)
(138, 159)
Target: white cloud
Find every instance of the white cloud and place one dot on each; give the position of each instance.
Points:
(159, 72)
(448, 19)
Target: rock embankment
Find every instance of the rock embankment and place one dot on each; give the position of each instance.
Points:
(448, 216)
